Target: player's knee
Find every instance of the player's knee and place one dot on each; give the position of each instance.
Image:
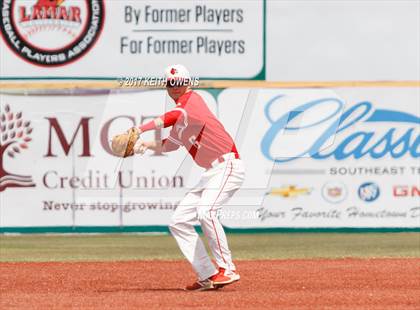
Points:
(204, 214)
(174, 225)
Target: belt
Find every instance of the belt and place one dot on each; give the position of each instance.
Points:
(223, 158)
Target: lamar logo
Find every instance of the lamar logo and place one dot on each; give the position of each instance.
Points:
(14, 137)
(51, 32)
(50, 10)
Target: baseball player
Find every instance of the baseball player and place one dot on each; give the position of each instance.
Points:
(196, 128)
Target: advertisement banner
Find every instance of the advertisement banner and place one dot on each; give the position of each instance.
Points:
(116, 39)
(346, 157)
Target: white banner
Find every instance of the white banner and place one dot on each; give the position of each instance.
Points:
(342, 158)
(113, 39)
(346, 157)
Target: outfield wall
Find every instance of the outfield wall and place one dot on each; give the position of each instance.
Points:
(315, 158)
(322, 98)
(283, 40)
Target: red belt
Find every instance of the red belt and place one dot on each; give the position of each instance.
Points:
(222, 159)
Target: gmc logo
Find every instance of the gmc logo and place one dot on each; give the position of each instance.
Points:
(406, 191)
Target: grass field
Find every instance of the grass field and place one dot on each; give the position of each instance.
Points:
(114, 247)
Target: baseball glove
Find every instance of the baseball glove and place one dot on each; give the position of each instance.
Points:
(123, 145)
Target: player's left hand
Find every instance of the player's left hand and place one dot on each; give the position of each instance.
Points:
(123, 145)
(134, 131)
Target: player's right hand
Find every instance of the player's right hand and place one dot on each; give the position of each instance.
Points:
(140, 147)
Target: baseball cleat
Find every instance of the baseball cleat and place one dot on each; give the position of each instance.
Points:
(224, 278)
(232, 273)
(205, 285)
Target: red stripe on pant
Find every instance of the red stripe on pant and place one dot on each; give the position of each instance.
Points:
(214, 227)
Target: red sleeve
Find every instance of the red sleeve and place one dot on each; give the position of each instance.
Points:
(148, 126)
(168, 119)
(169, 146)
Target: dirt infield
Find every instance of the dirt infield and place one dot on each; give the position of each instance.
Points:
(275, 284)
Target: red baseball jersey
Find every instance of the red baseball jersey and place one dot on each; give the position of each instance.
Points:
(197, 129)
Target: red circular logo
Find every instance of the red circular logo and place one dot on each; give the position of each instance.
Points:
(51, 32)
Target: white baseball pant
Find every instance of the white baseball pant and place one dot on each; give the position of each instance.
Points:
(203, 203)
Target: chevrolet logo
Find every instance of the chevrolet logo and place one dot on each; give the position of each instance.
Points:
(289, 191)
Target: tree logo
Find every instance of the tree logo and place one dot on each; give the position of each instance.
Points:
(14, 138)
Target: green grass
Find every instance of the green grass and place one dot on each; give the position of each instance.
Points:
(111, 247)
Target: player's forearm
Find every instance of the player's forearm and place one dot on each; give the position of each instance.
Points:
(157, 146)
(166, 120)
(157, 123)
(153, 145)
